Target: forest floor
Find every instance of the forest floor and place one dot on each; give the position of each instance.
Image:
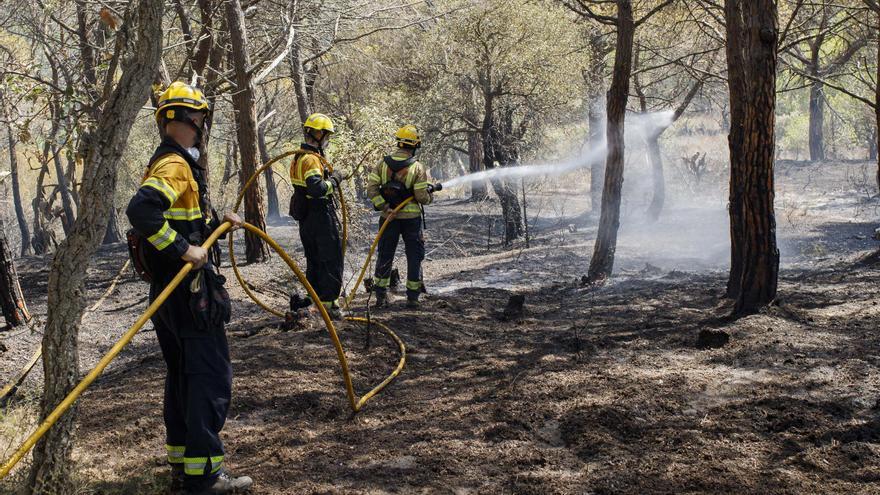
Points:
(602, 391)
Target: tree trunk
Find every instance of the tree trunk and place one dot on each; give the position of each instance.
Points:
(245, 104)
(594, 76)
(817, 122)
(231, 165)
(495, 155)
(872, 143)
(71, 177)
(656, 161)
(272, 210)
(755, 61)
(479, 190)
(52, 464)
(738, 96)
(303, 103)
(64, 191)
(877, 101)
(216, 54)
(16, 188)
(510, 210)
(11, 298)
(595, 142)
(43, 237)
(602, 262)
(111, 234)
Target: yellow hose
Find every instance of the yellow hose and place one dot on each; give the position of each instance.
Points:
(64, 405)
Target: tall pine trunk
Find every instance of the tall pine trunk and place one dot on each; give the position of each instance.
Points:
(596, 141)
(272, 210)
(656, 161)
(16, 188)
(738, 94)
(245, 104)
(52, 466)
(877, 102)
(297, 71)
(817, 122)
(602, 263)
(752, 61)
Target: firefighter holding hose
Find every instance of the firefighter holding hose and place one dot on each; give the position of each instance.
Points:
(393, 180)
(313, 207)
(169, 219)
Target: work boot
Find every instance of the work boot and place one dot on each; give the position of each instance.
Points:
(336, 313)
(177, 478)
(381, 299)
(224, 483)
(412, 302)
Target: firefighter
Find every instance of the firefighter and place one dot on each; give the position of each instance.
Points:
(394, 179)
(313, 207)
(170, 214)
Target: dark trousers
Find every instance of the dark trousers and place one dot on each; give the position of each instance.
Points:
(198, 386)
(322, 245)
(414, 244)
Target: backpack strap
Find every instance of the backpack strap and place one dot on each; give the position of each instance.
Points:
(397, 165)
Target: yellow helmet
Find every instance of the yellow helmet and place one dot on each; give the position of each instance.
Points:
(408, 135)
(319, 122)
(180, 94)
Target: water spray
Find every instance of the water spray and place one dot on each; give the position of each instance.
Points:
(637, 126)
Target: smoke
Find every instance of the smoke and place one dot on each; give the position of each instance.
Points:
(637, 125)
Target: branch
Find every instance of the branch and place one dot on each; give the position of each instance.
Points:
(653, 11)
(584, 10)
(843, 90)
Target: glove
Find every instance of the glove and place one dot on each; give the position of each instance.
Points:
(337, 177)
(209, 302)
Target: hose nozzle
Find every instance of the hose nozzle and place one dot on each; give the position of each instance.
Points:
(432, 188)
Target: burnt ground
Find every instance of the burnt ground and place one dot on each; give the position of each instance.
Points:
(587, 391)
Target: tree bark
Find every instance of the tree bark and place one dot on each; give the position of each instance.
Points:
(755, 61)
(655, 159)
(595, 78)
(245, 104)
(11, 298)
(877, 101)
(43, 237)
(596, 141)
(738, 95)
(231, 164)
(16, 186)
(496, 154)
(479, 190)
(52, 464)
(602, 263)
(817, 122)
(272, 210)
(64, 191)
(872, 144)
(303, 102)
(111, 233)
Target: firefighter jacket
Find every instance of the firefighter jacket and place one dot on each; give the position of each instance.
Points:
(406, 170)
